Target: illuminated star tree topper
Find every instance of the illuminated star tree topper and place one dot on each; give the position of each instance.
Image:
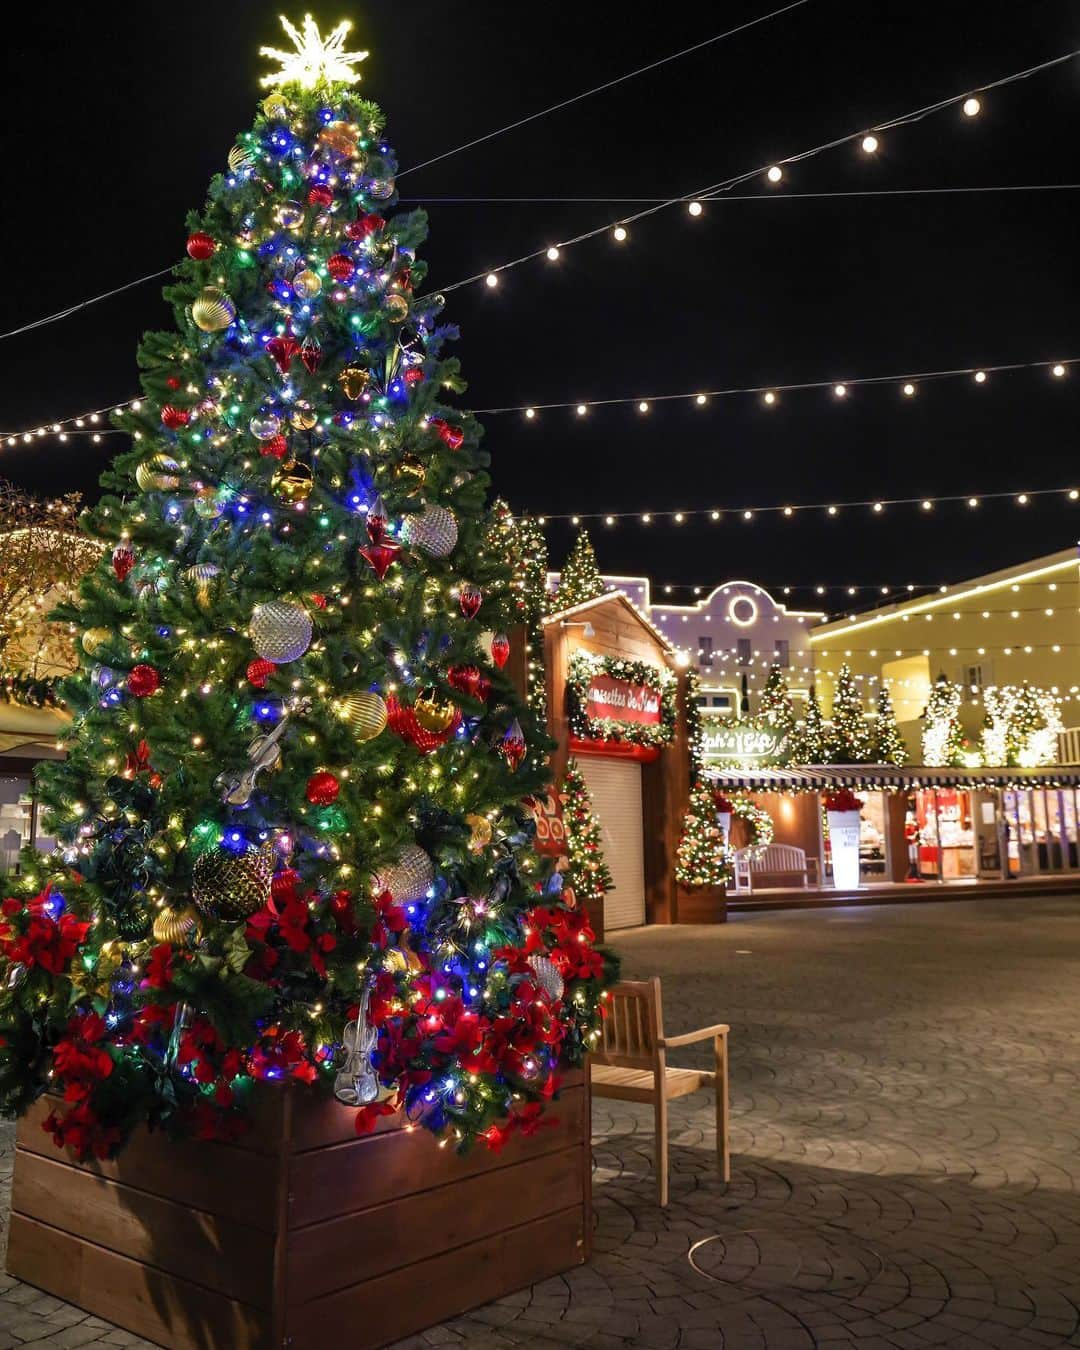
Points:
(316, 60)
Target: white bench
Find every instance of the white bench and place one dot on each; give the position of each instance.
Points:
(780, 859)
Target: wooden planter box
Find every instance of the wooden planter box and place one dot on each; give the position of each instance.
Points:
(303, 1236)
(702, 904)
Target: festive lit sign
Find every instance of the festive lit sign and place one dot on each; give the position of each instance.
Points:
(620, 701)
(747, 744)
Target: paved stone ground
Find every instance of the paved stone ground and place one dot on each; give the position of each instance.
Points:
(906, 1135)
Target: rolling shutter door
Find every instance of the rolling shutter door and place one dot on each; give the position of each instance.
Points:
(615, 785)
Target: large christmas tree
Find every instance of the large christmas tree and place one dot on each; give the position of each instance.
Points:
(775, 702)
(292, 839)
(810, 741)
(580, 579)
(849, 737)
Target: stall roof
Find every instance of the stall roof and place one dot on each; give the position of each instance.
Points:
(826, 777)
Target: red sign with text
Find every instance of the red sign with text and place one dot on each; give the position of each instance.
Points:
(621, 701)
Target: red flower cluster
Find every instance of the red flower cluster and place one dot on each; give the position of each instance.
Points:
(567, 937)
(721, 804)
(35, 938)
(842, 800)
(281, 1054)
(80, 1130)
(524, 1120)
(289, 919)
(79, 1059)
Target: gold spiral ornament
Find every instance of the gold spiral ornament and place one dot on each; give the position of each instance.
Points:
(481, 832)
(160, 473)
(433, 714)
(213, 310)
(94, 638)
(365, 714)
(178, 926)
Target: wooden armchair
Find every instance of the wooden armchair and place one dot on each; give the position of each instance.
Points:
(631, 1066)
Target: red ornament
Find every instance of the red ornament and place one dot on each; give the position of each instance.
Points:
(320, 195)
(362, 226)
(123, 560)
(322, 789)
(259, 671)
(282, 350)
(341, 267)
(276, 446)
(377, 520)
(403, 279)
(512, 746)
(174, 382)
(201, 246)
(414, 375)
(470, 599)
(454, 437)
(469, 680)
(142, 681)
(500, 649)
(311, 354)
(402, 722)
(175, 418)
(319, 601)
(483, 687)
(381, 556)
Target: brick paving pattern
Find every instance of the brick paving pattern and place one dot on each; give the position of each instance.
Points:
(906, 1150)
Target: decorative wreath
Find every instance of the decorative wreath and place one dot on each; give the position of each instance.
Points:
(758, 820)
(584, 665)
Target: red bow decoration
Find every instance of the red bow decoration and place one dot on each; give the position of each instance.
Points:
(451, 436)
(469, 680)
(138, 761)
(281, 350)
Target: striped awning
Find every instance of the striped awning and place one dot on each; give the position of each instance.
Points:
(866, 777)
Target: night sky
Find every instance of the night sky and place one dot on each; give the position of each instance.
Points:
(116, 117)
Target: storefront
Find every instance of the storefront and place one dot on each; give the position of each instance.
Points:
(615, 704)
(919, 824)
(27, 736)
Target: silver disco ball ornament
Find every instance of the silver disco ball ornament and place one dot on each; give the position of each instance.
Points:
(547, 975)
(280, 631)
(433, 531)
(408, 878)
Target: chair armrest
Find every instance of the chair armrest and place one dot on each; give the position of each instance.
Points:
(689, 1037)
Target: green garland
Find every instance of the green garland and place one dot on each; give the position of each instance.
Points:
(760, 823)
(584, 665)
(29, 691)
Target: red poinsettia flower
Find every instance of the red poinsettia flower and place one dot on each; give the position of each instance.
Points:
(79, 1061)
(81, 1131)
(158, 968)
(390, 920)
(367, 1117)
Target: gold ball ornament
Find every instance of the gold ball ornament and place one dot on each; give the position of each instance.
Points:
(204, 578)
(411, 466)
(213, 310)
(303, 416)
(94, 638)
(232, 886)
(178, 926)
(354, 382)
(274, 106)
(306, 284)
(433, 714)
(396, 307)
(365, 714)
(289, 215)
(292, 483)
(161, 473)
(240, 157)
(481, 832)
(381, 189)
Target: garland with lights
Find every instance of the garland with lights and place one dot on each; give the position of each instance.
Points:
(292, 844)
(29, 691)
(694, 727)
(585, 665)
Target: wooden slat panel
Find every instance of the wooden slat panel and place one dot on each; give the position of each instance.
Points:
(212, 1177)
(160, 1307)
(336, 1181)
(326, 1257)
(203, 1248)
(381, 1310)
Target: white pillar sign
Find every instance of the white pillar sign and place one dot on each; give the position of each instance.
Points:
(844, 843)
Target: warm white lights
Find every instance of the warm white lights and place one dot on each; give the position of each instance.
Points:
(928, 506)
(695, 208)
(832, 510)
(609, 520)
(1022, 499)
(980, 377)
(973, 501)
(769, 397)
(316, 60)
(840, 390)
(582, 409)
(530, 413)
(643, 407)
(620, 233)
(870, 144)
(1057, 371)
(701, 400)
(748, 515)
(972, 107)
(491, 280)
(553, 254)
(878, 507)
(789, 510)
(775, 174)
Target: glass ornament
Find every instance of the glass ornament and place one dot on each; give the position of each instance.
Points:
(396, 307)
(264, 426)
(354, 381)
(280, 631)
(306, 284)
(232, 886)
(289, 215)
(302, 416)
(408, 878)
(434, 531)
(240, 157)
(178, 926)
(208, 504)
(547, 975)
(292, 483)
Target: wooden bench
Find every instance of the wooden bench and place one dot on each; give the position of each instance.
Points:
(632, 1066)
(776, 860)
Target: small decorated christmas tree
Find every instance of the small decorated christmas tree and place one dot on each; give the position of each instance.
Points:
(849, 738)
(775, 702)
(529, 556)
(810, 743)
(701, 858)
(293, 844)
(587, 874)
(942, 736)
(889, 744)
(580, 579)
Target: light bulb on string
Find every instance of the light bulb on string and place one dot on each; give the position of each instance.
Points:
(775, 174)
(840, 390)
(769, 398)
(870, 145)
(972, 106)
(553, 254)
(695, 208)
(491, 280)
(908, 390)
(980, 377)
(1057, 370)
(620, 234)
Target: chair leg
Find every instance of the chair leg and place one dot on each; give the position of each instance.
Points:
(723, 1153)
(661, 1147)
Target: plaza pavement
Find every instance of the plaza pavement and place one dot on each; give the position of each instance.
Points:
(906, 1149)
